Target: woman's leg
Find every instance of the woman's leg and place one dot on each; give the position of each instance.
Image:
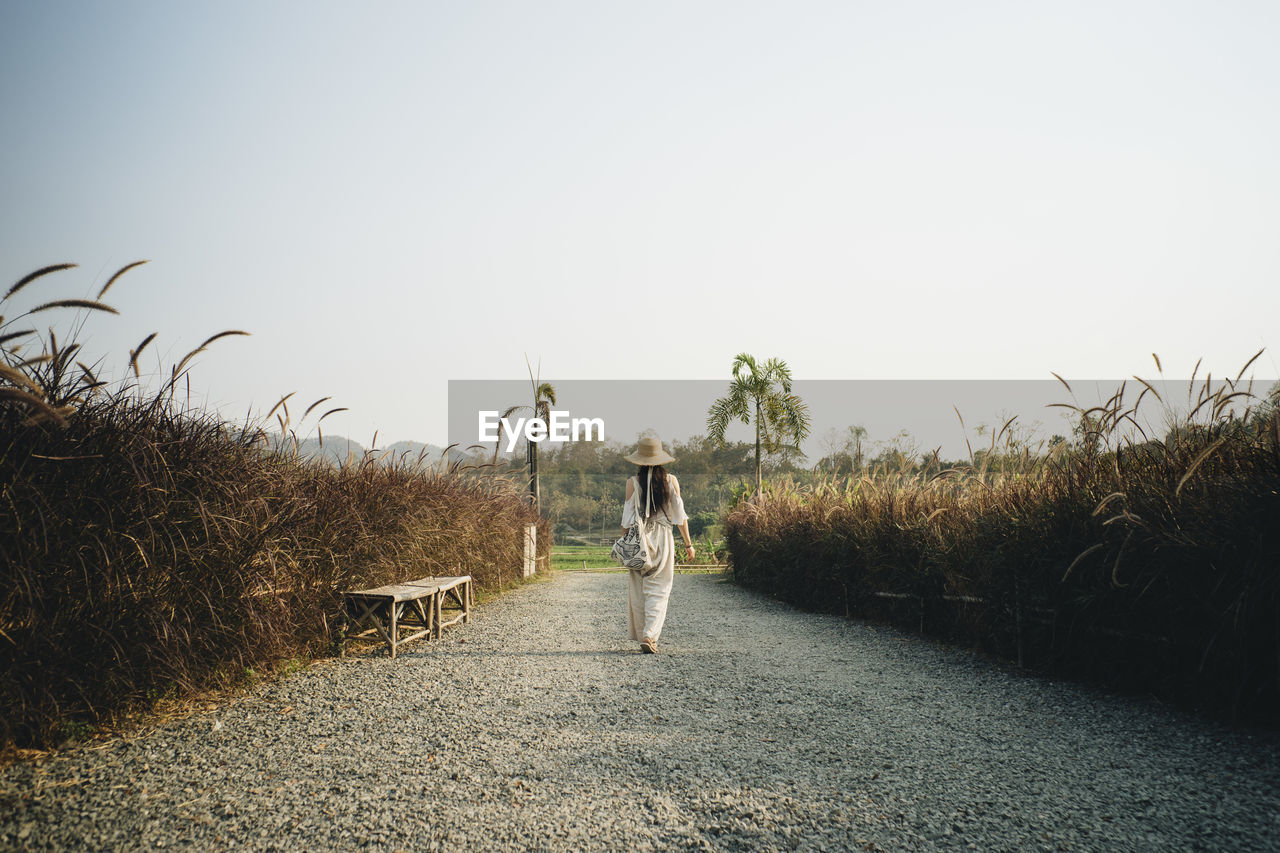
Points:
(657, 589)
(635, 606)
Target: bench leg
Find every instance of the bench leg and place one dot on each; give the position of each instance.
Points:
(463, 597)
(425, 613)
(395, 628)
(371, 614)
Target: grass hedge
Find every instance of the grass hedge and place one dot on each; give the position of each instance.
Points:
(150, 551)
(1147, 565)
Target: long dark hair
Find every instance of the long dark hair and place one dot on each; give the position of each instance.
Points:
(661, 489)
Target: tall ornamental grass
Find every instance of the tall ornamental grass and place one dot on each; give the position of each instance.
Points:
(148, 550)
(1146, 563)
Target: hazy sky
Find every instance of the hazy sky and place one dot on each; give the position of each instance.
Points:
(392, 195)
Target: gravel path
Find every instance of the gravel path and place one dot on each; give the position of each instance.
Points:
(757, 727)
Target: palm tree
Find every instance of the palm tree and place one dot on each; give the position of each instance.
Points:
(544, 397)
(511, 410)
(761, 393)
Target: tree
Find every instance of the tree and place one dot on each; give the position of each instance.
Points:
(511, 410)
(843, 451)
(761, 393)
(544, 397)
(1270, 403)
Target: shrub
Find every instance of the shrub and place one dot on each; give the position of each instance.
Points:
(1144, 564)
(701, 522)
(147, 550)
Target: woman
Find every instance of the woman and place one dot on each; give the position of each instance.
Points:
(653, 501)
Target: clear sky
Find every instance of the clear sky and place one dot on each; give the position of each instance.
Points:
(392, 195)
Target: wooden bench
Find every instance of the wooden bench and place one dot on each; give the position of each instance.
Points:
(416, 606)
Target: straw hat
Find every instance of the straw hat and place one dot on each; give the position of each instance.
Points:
(649, 452)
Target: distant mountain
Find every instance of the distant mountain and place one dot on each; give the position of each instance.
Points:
(335, 449)
(338, 449)
(413, 450)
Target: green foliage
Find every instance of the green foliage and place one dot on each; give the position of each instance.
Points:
(701, 522)
(583, 482)
(760, 394)
(574, 556)
(1145, 564)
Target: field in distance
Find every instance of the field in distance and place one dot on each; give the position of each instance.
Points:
(572, 557)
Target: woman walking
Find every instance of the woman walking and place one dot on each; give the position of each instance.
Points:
(653, 501)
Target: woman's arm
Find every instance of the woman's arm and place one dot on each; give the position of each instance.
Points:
(688, 542)
(625, 502)
(684, 522)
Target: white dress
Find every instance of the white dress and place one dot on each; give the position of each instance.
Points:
(647, 596)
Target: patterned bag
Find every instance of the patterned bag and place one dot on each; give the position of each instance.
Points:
(632, 551)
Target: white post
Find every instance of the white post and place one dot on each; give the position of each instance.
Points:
(530, 549)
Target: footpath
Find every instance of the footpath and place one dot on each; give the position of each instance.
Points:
(757, 727)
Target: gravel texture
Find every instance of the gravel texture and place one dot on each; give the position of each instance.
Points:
(756, 727)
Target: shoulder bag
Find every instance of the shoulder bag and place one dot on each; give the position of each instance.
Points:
(632, 550)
